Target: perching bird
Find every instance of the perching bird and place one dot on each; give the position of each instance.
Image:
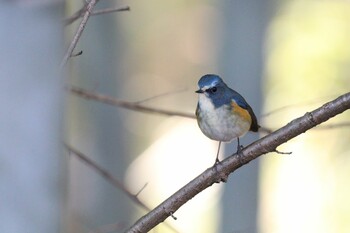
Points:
(222, 113)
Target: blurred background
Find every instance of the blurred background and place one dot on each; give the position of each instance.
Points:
(285, 58)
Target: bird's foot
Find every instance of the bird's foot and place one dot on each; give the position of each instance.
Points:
(217, 161)
(239, 154)
(239, 149)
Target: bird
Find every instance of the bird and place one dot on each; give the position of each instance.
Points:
(222, 113)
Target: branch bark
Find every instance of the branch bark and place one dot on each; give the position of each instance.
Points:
(78, 33)
(221, 171)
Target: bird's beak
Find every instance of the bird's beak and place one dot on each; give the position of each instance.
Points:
(199, 91)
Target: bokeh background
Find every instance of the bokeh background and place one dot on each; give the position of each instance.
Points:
(285, 58)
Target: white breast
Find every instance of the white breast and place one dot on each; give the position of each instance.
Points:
(220, 124)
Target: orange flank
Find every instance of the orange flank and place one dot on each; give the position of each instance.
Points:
(243, 113)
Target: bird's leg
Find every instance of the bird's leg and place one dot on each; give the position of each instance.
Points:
(239, 146)
(221, 177)
(217, 155)
(238, 152)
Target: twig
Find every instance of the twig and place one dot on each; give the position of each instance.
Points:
(77, 54)
(160, 95)
(117, 183)
(302, 104)
(78, 33)
(141, 189)
(125, 104)
(114, 227)
(79, 13)
(110, 10)
(75, 16)
(114, 181)
(136, 106)
(222, 170)
(334, 126)
(320, 127)
(282, 152)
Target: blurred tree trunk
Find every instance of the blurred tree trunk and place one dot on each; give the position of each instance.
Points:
(32, 166)
(241, 64)
(97, 129)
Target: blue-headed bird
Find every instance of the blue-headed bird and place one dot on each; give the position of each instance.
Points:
(222, 113)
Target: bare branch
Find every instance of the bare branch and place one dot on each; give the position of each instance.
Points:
(160, 95)
(110, 10)
(125, 104)
(137, 106)
(80, 12)
(320, 127)
(117, 183)
(114, 181)
(222, 170)
(334, 126)
(77, 54)
(75, 16)
(78, 33)
(297, 105)
(143, 187)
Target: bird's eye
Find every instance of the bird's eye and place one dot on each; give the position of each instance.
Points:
(214, 89)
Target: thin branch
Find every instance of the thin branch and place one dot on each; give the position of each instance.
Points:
(137, 106)
(114, 181)
(75, 16)
(334, 126)
(125, 104)
(110, 10)
(80, 12)
(79, 32)
(141, 189)
(302, 104)
(265, 130)
(161, 95)
(77, 54)
(222, 170)
(105, 174)
(344, 124)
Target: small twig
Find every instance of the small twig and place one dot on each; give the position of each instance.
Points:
(265, 130)
(334, 126)
(172, 215)
(80, 12)
(136, 106)
(281, 152)
(78, 33)
(319, 127)
(125, 104)
(75, 16)
(110, 10)
(117, 183)
(114, 181)
(311, 102)
(77, 54)
(143, 187)
(160, 95)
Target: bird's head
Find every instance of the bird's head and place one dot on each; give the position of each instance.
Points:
(211, 85)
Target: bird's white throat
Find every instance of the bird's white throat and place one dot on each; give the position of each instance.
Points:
(205, 103)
